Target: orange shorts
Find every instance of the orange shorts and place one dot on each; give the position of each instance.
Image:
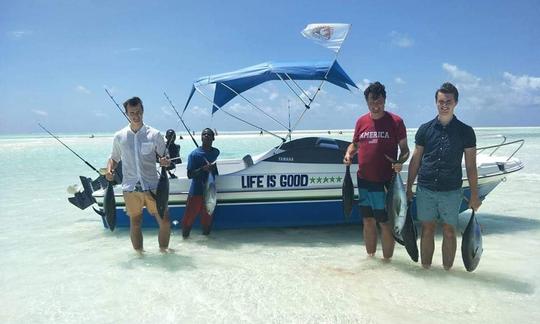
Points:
(135, 201)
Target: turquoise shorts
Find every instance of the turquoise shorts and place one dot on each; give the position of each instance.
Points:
(438, 205)
(372, 199)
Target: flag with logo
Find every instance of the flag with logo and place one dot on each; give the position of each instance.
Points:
(330, 36)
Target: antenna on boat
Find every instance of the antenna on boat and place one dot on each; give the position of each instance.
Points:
(55, 137)
(117, 105)
(289, 108)
(181, 120)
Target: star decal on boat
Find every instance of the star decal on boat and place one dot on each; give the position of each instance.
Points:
(332, 179)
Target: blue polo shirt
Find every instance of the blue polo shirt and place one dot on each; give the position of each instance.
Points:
(440, 168)
(196, 159)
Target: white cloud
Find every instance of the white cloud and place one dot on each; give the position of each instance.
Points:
(100, 114)
(273, 96)
(391, 105)
(399, 80)
(362, 85)
(237, 108)
(200, 111)
(401, 40)
(40, 112)
(167, 111)
(17, 34)
(82, 89)
(264, 89)
(346, 107)
(128, 50)
(112, 90)
(466, 79)
(522, 83)
(506, 95)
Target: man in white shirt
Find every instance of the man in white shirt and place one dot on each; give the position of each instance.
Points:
(136, 146)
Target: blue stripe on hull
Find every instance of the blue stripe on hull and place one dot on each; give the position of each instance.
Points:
(303, 213)
(261, 215)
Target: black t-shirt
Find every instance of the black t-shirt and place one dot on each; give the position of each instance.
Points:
(440, 168)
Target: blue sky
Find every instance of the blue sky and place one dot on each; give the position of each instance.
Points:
(56, 58)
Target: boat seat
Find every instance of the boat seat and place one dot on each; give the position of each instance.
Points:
(248, 160)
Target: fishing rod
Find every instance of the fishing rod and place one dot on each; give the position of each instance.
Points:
(90, 165)
(181, 120)
(117, 105)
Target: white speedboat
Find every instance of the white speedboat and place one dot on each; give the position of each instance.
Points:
(296, 183)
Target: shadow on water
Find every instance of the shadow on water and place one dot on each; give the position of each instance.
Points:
(172, 261)
(500, 224)
(338, 235)
(320, 236)
(485, 278)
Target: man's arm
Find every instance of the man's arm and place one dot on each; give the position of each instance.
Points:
(403, 154)
(351, 150)
(414, 165)
(111, 166)
(472, 176)
(111, 163)
(161, 151)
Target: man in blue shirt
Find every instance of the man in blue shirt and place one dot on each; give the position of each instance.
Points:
(440, 146)
(201, 161)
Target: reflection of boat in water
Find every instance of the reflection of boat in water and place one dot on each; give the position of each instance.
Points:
(296, 183)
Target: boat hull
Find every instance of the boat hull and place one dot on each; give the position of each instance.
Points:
(296, 184)
(314, 212)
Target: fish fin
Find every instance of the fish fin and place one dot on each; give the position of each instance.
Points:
(403, 158)
(99, 212)
(400, 161)
(390, 159)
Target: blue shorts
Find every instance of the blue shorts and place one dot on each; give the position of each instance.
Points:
(372, 199)
(438, 205)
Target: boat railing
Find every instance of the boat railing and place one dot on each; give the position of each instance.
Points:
(494, 148)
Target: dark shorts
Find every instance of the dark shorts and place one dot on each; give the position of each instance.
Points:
(372, 199)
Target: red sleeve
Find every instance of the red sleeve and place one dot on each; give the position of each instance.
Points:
(355, 138)
(401, 130)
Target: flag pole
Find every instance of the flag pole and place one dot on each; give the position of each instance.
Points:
(325, 76)
(335, 59)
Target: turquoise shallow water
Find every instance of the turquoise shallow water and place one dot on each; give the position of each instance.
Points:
(59, 265)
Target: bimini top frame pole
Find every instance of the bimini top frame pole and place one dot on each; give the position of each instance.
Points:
(238, 118)
(232, 84)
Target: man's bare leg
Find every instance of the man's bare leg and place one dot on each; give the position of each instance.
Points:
(427, 243)
(448, 246)
(135, 232)
(388, 241)
(370, 235)
(164, 231)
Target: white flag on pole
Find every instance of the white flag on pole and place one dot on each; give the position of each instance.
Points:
(328, 35)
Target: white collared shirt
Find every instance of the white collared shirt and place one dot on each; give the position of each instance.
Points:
(137, 151)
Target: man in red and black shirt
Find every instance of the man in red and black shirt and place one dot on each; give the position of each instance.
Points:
(377, 133)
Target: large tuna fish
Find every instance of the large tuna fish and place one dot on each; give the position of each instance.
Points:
(348, 193)
(396, 204)
(210, 193)
(396, 200)
(109, 207)
(162, 193)
(410, 236)
(471, 244)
